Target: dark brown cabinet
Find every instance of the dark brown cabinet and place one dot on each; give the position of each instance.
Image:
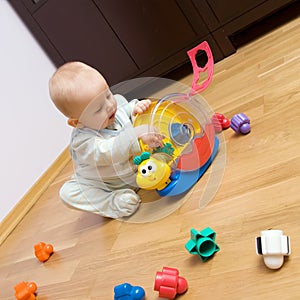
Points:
(79, 32)
(150, 30)
(123, 39)
(132, 38)
(228, 18)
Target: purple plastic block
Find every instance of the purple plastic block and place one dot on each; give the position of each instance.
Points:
(240, 123)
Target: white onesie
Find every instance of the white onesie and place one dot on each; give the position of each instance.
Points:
(104, 177)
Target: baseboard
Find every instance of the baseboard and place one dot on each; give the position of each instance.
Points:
(14, 217)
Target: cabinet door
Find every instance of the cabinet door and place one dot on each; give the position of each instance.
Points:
(236, 14)
(153, 30)
(80, 32)
(225, 19)
(227, 10)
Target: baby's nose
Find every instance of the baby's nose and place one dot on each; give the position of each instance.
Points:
(110, 107)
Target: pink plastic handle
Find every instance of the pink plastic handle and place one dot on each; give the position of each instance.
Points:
(197, 70)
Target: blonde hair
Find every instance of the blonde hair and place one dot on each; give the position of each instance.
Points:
(69, 82)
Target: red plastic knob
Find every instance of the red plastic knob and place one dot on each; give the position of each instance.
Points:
(220, 122)
(225, 123)
(182, 285)
(168, 283)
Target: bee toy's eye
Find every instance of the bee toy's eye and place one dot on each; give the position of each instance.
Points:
(151, 166)
(144, 171)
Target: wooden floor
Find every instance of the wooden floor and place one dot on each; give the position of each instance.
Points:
(260, 190)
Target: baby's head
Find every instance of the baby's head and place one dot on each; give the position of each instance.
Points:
(81, 93)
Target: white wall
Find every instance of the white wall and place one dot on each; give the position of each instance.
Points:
(33, 132)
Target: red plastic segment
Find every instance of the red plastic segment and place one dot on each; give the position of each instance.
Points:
(201, 151)
(168, 283)
(209, 67)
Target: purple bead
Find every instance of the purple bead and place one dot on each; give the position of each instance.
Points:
(240, 123)
(245, 128)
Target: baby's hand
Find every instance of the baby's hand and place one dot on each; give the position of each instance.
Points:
(141, 107)
(153, 140)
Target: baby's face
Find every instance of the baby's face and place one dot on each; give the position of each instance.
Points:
(100, 112)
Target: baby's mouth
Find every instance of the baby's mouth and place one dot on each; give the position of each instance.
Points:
(112, 116)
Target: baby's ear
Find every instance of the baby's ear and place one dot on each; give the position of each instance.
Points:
(74, 123)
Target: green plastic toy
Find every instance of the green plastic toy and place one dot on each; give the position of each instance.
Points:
(202, 243)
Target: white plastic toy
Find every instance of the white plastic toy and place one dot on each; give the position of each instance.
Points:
(273, 245)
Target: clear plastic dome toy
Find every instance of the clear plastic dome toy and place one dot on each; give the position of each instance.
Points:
(190, 143)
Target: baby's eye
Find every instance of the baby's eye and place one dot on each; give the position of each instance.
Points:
(108, 96)
(98, 110)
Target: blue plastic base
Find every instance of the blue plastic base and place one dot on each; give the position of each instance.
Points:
(187, 179)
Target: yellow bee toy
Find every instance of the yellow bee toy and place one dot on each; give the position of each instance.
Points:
(152, 173)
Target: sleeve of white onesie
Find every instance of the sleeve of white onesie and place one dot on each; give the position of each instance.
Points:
(125, 105)
(116, 149)
(109, 149)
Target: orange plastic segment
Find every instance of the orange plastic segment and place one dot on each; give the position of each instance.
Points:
(43, 251)
(25, 291)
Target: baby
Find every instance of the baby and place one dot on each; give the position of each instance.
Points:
(103, 141)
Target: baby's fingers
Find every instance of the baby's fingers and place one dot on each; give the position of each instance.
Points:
(158, 140)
